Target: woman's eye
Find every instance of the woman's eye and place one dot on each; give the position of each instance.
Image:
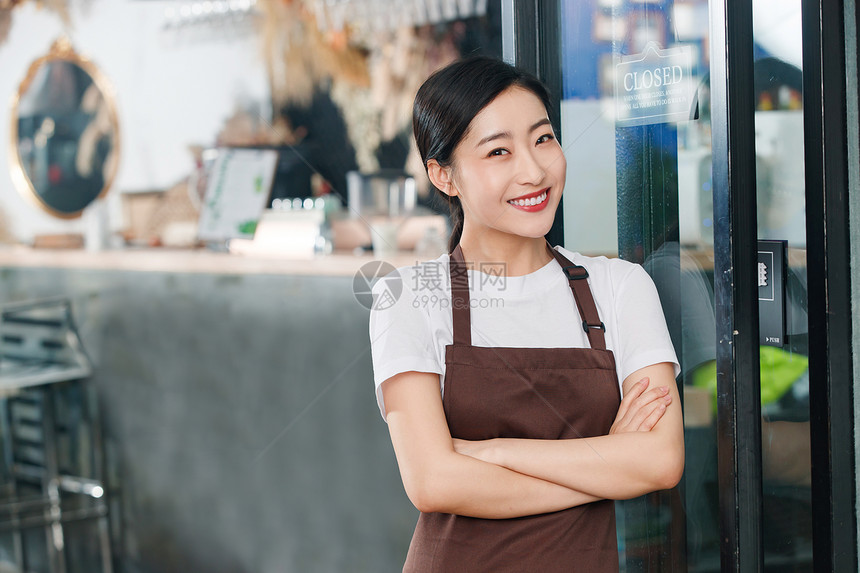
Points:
(496, 152)
(545, 137)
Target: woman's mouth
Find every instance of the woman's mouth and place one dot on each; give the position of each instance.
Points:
(533, 202)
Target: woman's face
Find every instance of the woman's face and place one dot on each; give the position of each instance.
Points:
(509, 169)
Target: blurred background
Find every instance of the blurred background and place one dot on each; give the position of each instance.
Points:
(186, 380)
(195, 205)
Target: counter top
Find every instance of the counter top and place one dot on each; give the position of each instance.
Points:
(210, 262)
(190, 261)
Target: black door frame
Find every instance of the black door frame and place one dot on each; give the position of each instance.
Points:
(825, 122)
(531, 39)
(735, 286)
(531, 32)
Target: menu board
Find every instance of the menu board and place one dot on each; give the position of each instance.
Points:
(239, 185)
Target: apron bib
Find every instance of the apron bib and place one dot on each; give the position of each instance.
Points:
(536, 393)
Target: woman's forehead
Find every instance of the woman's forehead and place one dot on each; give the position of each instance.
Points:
(514, 110)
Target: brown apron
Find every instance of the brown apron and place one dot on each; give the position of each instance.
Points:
(538, 393)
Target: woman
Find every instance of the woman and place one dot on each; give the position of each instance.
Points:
(498, 367)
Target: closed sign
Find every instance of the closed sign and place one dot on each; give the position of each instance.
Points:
(655, 86)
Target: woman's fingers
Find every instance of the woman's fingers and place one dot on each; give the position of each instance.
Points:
(651, 420)
(624, 409)
(619, 424)
(637, 399)
(646, 398)
(642, 409)
(632, 395)
(649, 414)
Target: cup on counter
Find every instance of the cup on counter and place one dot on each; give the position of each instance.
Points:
(383, 236)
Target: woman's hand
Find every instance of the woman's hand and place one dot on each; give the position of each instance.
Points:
(438, 479)
(641, 409)
(643, 453)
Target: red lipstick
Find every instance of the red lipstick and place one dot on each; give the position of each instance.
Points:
(541, 199)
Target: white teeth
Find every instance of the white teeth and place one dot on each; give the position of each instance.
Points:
(531, 201)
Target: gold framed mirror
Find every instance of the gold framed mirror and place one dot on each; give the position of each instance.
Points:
(64, 150)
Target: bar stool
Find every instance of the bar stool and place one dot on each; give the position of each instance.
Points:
(53, 461)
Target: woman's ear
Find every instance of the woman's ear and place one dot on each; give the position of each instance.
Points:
(441, 178)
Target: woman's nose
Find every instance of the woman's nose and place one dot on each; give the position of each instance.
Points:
(529, 170)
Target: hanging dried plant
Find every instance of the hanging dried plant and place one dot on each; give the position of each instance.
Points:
(299, 57)
(362, 122)
(372, 72)
(60, 7)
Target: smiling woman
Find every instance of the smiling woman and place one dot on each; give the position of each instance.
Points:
(500, 169)
(515, 463)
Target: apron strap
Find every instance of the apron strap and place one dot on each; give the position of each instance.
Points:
(578, 278)
(460, 298)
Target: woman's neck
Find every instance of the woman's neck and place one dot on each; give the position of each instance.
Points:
(519, 255)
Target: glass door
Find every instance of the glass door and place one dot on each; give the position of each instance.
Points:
(712, 141)
(784, 347)
(635, 124)
(646, 183)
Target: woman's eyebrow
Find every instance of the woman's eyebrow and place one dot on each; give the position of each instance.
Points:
(507, 134)
(499, 135)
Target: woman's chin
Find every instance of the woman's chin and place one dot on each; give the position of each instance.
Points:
(533, 232)
(535, 226)
(536, 229)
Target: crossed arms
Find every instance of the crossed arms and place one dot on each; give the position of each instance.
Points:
(504, 478)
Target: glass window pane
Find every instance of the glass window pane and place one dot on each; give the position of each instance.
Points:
(639, 187)
(781, 205)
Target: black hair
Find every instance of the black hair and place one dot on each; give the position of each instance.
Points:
(447, 103)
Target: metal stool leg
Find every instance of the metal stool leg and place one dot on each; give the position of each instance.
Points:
(50, 484)
(53, 440)
(8, 444)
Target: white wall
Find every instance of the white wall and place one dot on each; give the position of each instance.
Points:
(169, 94)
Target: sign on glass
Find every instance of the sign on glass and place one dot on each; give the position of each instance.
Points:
(655, 86)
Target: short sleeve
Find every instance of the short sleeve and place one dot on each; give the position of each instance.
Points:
(644, 337)
(401, 338)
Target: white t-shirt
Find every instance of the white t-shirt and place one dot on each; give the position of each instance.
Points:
(536, 310)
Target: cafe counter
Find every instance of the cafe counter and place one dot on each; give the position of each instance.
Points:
(341, 263)
(241, 426)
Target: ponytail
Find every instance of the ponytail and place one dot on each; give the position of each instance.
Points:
(456, 210)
